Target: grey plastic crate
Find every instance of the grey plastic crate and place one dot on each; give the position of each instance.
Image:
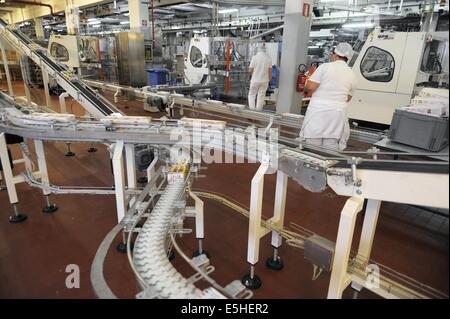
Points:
(419, 130)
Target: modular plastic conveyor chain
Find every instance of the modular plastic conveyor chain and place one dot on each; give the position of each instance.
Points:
(150, 252)
(76, 88)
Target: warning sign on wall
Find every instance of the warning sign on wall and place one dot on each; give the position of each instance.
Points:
(144, 23)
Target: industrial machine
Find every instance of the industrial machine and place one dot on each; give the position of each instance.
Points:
(196, 62)
(96, 58)
(224, 61)
(389, 68)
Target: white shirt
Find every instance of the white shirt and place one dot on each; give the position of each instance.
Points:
(325, 116)
(261, 63)
(337, 80)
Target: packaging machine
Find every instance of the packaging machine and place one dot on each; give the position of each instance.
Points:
(180, 147)
(391, 66)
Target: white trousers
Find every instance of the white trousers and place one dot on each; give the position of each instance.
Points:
(329, 143)
(257, 92)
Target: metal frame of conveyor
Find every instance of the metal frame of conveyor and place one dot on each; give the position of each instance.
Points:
(89, 99)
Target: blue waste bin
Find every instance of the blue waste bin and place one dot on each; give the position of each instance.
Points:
(157, 76)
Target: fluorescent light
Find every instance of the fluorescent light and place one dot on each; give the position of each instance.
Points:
(126, 14)
(47, 27)
(223, 11)
(124, 22)
(97, 26)
(92, 19)
(95, 22)
(358, 25)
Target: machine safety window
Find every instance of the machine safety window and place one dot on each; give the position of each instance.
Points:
(59, 52)
(196, 57)
(377, 65)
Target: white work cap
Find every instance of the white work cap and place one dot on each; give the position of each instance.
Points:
(344, 50)
(261, 47)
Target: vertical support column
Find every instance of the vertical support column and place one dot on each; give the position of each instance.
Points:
(368, 229)
(297, 24)
(254, 228)
(9, 180)
(25, 77)
(131, 169)
(139, 17)
(275, 261)
(5, 64)
(72, 18)
(367, 235)
(39, 29)
(215, 18)
(199, 224)
(150, 171)
(40, 154)
(119, 179)
(340, 278)
(45, 79)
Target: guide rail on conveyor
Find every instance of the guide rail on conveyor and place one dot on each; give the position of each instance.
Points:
(82, 93)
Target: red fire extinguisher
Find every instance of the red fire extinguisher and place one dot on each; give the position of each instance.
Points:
(301, 78)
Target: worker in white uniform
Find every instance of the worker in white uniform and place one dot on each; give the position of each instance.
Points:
(332, 86)
(260, 71)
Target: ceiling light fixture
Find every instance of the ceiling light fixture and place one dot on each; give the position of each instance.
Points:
(225, 11)
(358, 25)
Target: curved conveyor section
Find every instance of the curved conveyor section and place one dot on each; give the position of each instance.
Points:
(150, 253)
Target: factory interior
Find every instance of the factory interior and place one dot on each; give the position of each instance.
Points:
(135, 163)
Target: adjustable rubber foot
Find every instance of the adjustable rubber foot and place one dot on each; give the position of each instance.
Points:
(50, 209)
(171, 255)
(17, 218)
(142, 180)
(122, 247)
(251, 283)
(92, 150)
(274, 264)
(70, 154)
(197, 253)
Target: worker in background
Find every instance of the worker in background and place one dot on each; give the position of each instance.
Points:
(332, 86)
(260, 71)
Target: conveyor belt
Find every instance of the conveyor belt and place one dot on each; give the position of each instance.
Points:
(78, 90)
(150, 252)
(400, 166)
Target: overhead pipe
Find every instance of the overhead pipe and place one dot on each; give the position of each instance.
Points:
(267, 32)
(33, 3)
